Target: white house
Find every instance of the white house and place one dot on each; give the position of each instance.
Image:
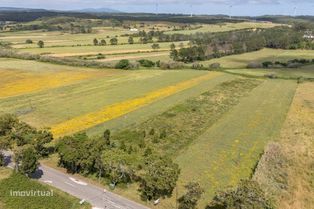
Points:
(134, 30)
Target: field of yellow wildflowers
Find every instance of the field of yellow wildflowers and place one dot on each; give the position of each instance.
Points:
(116, 110)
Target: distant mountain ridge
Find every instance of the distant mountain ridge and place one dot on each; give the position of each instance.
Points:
(17, 9)
(87, 10)
(98, 10)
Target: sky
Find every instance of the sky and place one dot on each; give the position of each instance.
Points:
(228, 7)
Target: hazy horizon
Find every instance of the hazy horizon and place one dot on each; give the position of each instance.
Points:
(208, 7)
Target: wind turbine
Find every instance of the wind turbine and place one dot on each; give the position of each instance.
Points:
(230, 8)
(157, 7)
(295, 11)
(191, 6)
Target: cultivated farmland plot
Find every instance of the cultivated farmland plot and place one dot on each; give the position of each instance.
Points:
(214, 123)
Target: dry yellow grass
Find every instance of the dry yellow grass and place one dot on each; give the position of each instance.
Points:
(116, 110)
(14, 83)
(297, 138)
(285, 171)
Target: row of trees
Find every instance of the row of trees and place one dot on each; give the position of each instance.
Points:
(102, 42)
(117, 164)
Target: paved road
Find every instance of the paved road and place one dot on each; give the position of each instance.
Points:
(96, 196)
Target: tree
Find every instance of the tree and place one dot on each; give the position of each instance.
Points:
(103, 42)
(131, 40)
(248, 194)
(107, 137)
(16, 133)
(144, 40)
(95, 41)
(39, 140)
(70, 150)
(117, 166)
(159, 179)
(41, 44)
(190, 199)
(114, 41)
(172, 46)
(1, 160)
(26, 160)
(80, 154)
(174, 54)
(155, 46)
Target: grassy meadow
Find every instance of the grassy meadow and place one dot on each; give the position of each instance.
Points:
(237, 140)
(242, 60)
(18, 182)
(56, 38)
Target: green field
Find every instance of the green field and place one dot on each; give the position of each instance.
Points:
(229, 149)
(55, 38)
(17, 182)
(90, 50)
(242, 60)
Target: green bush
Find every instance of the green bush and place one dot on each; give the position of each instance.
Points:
(28, 41)
(123, 64)
(246, 195)
(146, 63)
(215, 65)
(1, 159)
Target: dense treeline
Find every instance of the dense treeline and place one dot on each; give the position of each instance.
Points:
(63, 23)
(207, 45)
(114, 163)
(118, 164)
(23, 16)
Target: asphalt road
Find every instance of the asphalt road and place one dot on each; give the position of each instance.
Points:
(96, 196)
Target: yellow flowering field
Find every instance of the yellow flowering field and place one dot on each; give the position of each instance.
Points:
(14, 83)
(116, 110)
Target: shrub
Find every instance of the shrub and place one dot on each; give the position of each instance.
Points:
(271, 171)
(294, 65)
(171, 65)
(267, 64)
(254, 65)
(248, 194)
(197, 66)
(1, 159)
(5, 44)
(101, 56)
(126, 65)
(190, 199)
(271, 76)
(41, 44)
(28, 41)
(155, 46)
(146, 63)
(214, 65)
